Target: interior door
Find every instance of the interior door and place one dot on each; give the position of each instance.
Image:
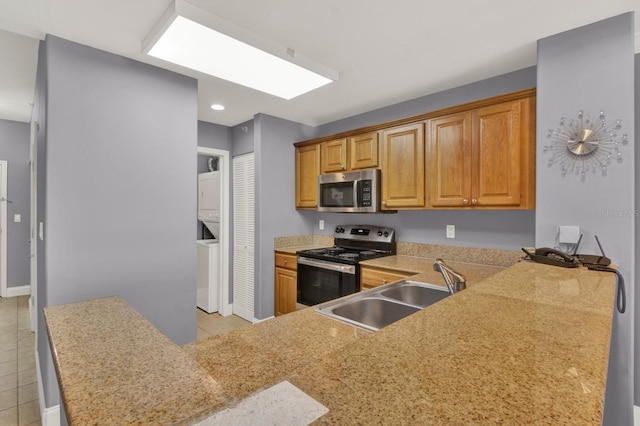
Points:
(243, 236)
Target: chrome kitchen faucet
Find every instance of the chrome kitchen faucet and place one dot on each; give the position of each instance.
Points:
(455, 280)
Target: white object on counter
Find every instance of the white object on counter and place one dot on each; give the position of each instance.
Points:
(281, 404)
(208, 275)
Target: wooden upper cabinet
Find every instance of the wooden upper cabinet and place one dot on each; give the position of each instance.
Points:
(495, 179)
(363, 151)
(449, 160)
(333, 156)
(354, 153)
(483, 158)
(307, 171)
(403, 173)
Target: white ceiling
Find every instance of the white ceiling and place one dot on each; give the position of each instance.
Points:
(385, 52)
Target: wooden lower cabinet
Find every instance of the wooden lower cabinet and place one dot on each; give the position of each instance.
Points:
(285, 283)
(371, 277)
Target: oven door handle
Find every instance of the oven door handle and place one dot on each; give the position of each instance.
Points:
(323, 264)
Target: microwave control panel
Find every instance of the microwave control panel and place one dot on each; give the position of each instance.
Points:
(365, 193)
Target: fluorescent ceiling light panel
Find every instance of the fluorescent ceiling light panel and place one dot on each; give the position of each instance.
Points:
(196, 46)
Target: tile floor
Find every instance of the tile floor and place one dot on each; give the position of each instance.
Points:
(212, 324)
(18, 382)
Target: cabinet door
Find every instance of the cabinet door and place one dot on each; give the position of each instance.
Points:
(373, 277)
(496, 171)
(333, 156)
(307, 171)
(403, 167)
(363, 151)
(449, 140)
(285, 289)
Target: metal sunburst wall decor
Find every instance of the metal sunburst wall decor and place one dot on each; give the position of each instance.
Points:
(584, 145)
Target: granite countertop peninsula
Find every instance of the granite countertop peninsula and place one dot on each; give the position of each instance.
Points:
(529, 344)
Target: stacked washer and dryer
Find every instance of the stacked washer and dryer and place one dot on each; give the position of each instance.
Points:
(209, 250)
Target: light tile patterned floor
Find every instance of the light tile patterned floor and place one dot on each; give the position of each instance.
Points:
(18, 381)
(212, 324)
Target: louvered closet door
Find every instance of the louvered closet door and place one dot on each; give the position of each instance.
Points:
(243, 235)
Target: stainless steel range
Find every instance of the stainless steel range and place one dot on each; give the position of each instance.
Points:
(331, 272)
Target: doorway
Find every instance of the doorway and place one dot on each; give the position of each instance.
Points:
(224, 166)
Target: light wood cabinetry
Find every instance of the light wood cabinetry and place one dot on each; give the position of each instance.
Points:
(363, 151)
(285, 283)
(403, 173)
(482, 158)
(307, 171)
(354, 153)
(333, 156)
(371, 277)
(479, 155)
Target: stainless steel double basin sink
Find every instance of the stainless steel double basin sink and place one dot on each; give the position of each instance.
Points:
(379, 307)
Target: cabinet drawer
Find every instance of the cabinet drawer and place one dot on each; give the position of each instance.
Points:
(288, 261)
(370, 278)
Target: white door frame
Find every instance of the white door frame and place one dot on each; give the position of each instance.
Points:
(226, 308)
(33, 235)
(3, 228)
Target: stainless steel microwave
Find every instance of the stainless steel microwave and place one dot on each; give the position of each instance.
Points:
(349, 192)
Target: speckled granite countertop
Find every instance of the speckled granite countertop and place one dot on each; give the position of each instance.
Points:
(115, 368)
(528, 345)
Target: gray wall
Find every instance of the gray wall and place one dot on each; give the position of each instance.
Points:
(592, 68)
(636, 339)
(242, 138)
(275, 191)
(497, 229)
(120, 140)
(517, 80)
(14, 148)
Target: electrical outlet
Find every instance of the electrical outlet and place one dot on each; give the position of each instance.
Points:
(17, 218)
(451, 231)
(321, 225)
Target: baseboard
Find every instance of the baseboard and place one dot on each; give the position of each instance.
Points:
(23, 290)
(50, 416)
(255, 320)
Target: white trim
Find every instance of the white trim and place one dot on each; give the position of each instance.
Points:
(636, 415)
(33, 225)
(23, 290)
(3, 228)
(49, 416)
(256, 320)
(226, 308)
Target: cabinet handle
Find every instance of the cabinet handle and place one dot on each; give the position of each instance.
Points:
(343, 167)
(465, 201)
(285, 261)
(384, 203)
(474, 201)
(384, 281)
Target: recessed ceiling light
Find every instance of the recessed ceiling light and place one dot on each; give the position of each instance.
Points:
(217, 107)
(185, 36)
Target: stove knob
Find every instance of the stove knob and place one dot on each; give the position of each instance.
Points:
(386, 234)
(340, 230)
(379, 233)
(337, 229)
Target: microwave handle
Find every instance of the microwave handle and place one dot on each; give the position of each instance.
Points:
(356, 193)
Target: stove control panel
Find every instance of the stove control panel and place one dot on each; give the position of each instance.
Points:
(365, 233)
